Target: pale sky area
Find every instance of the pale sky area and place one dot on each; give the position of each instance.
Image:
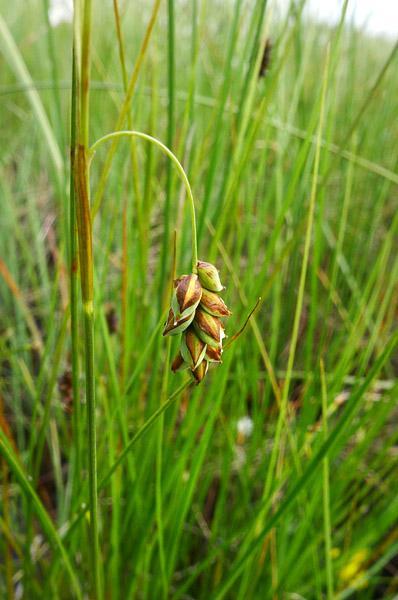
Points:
(376, 16)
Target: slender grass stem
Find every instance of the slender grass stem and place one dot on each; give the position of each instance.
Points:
(326, 491)
(90, 395)
(143, 429)
(137, 195)
(81, 169)
(170, 129)
(126, 105)
(54, 73)
(159, 452)
(180, 170)
(73, 274)
(159, 481)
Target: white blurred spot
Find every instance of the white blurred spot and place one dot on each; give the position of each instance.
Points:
(60, 11)
(18, 591)
(245, 426)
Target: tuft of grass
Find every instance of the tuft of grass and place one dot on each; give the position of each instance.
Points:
(294, 177)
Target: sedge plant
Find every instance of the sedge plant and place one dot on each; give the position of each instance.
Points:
(196, 306)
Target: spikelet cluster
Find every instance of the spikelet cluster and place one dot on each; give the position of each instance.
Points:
(196, 312)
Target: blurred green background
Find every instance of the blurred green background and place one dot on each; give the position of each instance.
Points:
(250, 486)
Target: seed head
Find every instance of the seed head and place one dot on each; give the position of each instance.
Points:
(200, 371)
(213, 354)
(209, 277)
(193, 350)
(196, 310)
(187, 295)
(178, 363)
(208, 328)
(213, 304)
(175, 326)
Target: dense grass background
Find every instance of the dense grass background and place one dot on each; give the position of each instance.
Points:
(305, 506)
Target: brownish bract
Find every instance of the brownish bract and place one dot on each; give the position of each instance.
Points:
(213, 304)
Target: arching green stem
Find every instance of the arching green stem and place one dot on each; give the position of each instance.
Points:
(177, 164)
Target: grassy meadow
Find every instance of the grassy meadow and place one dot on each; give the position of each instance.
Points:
(276, 476)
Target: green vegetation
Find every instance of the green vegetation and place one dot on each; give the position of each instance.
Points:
(292, 158)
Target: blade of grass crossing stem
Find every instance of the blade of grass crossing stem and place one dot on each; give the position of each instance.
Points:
(142, 430)
(144, 354)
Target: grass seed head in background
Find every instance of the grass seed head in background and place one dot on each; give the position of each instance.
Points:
(195, 312)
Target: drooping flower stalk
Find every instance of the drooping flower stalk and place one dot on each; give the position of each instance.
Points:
(187, 309)
(180, 170)
(201, 344)
(196, 351)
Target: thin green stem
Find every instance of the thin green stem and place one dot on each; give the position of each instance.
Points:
(170, 129)
(159, 482)
(143, 429)
(8, 548)
(73, 274)
(54, 73)
(326, 491)
(179, 167)
(124, 110)
(85, 74)
(83, 214)
(223, 96)
(92, 445)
